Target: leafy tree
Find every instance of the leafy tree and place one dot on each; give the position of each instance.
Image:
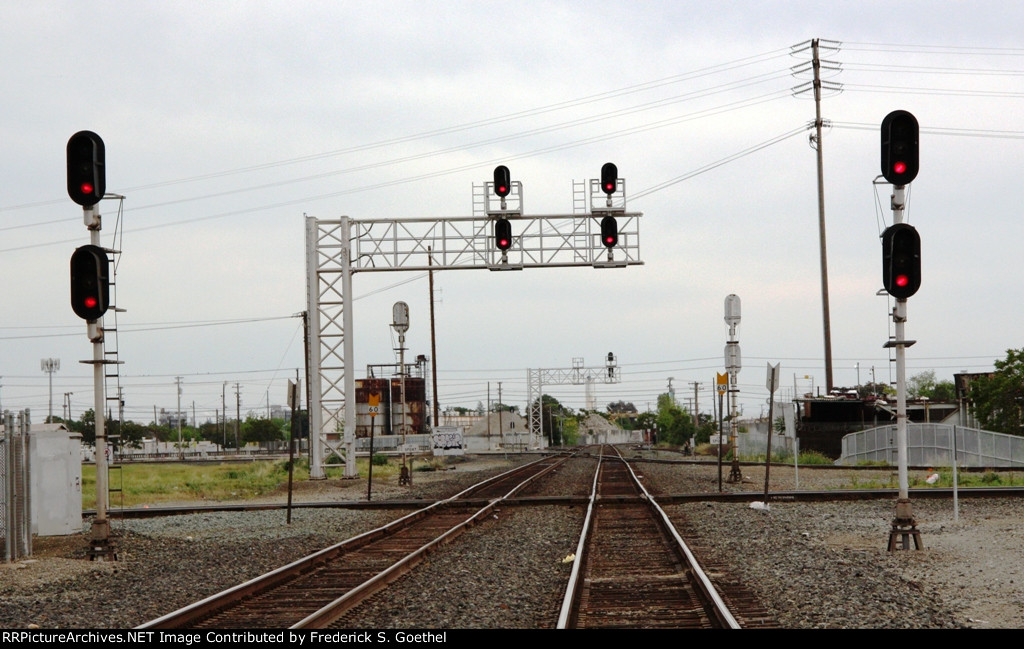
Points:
(87, 427)
(621, 406)
(570, 431)
(998, 398)
(131, 433)
(875, 389)
(260, 430)
(553, 415)
(920, 384)
(944, 391)
(645, 421)
(925, 385)
(213, 431)
(706, 430)
(675, 425)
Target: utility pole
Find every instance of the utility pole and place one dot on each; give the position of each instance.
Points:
(238, 414)
(501, 426)
(696, 418)
(224, 414)
(816, 143)
(181, 451)
(826, 321)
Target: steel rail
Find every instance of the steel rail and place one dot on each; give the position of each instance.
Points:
(335, 609)
(703, 581)
(571, 589)
(263, 583)
(570, 602)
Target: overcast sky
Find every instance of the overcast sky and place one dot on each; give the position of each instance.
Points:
(226, 123)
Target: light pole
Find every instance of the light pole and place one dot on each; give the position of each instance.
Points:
(50, 365)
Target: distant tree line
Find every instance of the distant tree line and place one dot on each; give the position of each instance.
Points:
(130, 434)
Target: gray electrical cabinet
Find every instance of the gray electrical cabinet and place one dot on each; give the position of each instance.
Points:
(55, 480)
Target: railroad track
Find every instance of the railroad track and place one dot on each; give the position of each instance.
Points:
(633, 570)
(316, 590)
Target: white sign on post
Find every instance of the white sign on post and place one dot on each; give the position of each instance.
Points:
(293, 394)
(772, 382)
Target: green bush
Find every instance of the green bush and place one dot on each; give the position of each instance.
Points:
(991, 478)
(814, 457)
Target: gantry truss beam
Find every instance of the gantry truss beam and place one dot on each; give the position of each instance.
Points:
(468, 242)
(337, 249)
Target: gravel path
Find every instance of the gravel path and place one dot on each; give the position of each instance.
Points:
(815, 565)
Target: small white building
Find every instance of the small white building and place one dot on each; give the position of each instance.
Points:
(498, 431)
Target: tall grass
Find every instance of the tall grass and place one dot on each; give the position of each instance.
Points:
(167, 482)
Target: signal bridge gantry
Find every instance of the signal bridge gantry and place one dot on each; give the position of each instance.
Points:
(498, 236)
(536, 379)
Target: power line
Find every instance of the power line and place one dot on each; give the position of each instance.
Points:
(158, 327)
(718, 163)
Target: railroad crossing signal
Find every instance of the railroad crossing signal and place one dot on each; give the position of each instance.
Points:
(900, 147)
(609, 178)
(901, 260)
(502, 234)
(90, 282)
(87, 177)
(502, 181)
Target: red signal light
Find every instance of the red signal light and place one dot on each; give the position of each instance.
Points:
(90, 282)
(502, 181)
(900, 155)
(609, 178)
(86, 168)
(609, 231)
(503, 234)
(901, 260)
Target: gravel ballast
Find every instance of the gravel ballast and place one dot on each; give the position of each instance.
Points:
(814, 565)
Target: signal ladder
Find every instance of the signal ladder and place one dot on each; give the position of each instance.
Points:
(111, 366)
